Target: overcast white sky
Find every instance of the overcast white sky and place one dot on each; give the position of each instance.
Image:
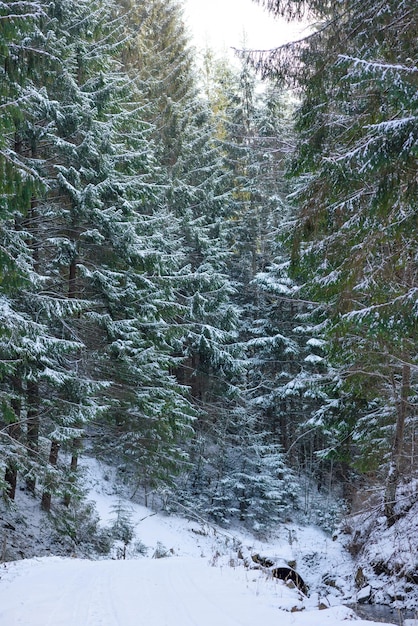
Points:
(222, 24)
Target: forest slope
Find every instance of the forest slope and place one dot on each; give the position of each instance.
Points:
(178, 572)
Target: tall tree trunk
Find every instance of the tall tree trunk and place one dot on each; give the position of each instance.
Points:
(33, 399)
(72, 275)
(14, 431)
(77, 444)
(53, 460)
(32, 433)
(394, 472)
(33, 228)
(10, 477)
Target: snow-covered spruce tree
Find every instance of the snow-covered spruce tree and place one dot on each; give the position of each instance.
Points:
(284, 359)
(213, 366)
(100, 289)
(235, 473)
(284, 355)
(34, 355)
(241, 475)
(198, 195)
(355, 241)
(160, 60)
(16, 181)
(117, 253)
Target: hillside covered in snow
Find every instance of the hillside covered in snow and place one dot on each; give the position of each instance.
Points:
(168, 570)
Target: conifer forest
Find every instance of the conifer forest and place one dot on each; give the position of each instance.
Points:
(209, 270)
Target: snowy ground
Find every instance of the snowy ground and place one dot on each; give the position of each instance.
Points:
(179, 591)
(178, 573)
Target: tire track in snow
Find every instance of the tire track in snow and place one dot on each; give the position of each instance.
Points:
(199, 595)
(177, 591)
(93, 600)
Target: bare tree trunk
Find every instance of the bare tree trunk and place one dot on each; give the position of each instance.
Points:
(77, 443)
(14, 431)
(10, 477)
(397, 447)
(10, 474)
(53, 460)
(32, 434)
(72, 278)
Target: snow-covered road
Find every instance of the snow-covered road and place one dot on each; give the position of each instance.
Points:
(177, 591)
(201, 583)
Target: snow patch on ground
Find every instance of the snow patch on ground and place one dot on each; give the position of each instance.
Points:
(182, 591)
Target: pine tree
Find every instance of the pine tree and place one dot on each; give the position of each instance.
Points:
(117, 255)
(31, 354)
(235, 473)
(355, 243)
(197, 196)
(159, 58)
(100, 261)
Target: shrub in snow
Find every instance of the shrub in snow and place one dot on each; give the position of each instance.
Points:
(77, 527)
(122, 527)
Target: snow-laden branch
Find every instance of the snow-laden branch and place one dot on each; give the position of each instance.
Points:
(360, 314)
(378, 65)
(391, 125)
